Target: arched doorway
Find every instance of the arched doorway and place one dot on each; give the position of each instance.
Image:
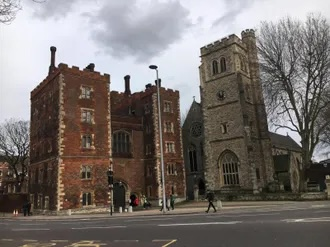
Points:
(119, 193)
(201, 187)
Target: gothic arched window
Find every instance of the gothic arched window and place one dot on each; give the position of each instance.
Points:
(229, 164)
(215, 67)
(121, 142)
(223, 67)
(193, 158)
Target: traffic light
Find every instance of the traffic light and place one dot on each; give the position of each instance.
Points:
(110, 177)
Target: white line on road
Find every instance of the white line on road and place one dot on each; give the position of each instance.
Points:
(97, 227)
(307, 220)
(147, 220)
(59, 241)
(241, 215)
(7, 239)
(30, 229)
(32, 224)
(204, 223)
(130, 240)
(75, 222)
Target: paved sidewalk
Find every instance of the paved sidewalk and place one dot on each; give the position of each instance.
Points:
(180, 208)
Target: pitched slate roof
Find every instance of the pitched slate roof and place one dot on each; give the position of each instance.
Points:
(285, 142)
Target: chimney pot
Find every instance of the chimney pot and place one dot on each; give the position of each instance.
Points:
(52, 59)
(127, 84)
(91, 67)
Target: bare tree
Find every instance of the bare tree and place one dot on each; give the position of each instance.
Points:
(295, 72)
(9, 9)
(15, 147)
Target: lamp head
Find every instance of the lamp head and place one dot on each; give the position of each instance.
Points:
(153, 67)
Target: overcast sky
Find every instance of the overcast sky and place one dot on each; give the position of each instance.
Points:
(123, 37)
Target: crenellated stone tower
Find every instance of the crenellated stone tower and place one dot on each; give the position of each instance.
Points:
(237, 145)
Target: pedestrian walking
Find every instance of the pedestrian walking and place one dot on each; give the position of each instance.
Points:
(210, 198)
(25, 208)
(167, 207)
(172, 199)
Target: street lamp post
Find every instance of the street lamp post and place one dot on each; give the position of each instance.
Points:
(154, 67)
(110, 183)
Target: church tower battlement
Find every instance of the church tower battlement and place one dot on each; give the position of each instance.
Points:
(237, 145)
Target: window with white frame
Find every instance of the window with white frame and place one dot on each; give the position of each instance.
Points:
(87, 199)
(167, 106)
(171, 169)
(229, 164)
(169, 128)
(170, 147)
(86, 92)
(87, 115)
(86, 172)
(86, 141)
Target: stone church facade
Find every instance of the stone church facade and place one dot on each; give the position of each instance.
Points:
(80, 128)
(237, 149)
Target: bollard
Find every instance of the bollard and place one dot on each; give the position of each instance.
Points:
(69, 211)
(120, 210)
(219, 204)
(130, 209)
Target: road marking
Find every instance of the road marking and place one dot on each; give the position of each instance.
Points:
(241, 215)
(71, 223)
(30, 229)
(117, 241)
(165, 240)
(204, 223)
(147, 220)
(308, 220)
(97, 227)
(59, 241)
(7, 239)
(34, 224)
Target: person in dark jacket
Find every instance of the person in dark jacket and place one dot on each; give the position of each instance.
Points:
(210, 198)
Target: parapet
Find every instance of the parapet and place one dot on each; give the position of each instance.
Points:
(85, 72)
(248, 33)
(222, 43)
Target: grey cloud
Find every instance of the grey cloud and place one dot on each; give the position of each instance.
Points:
(234, 8)
(123, 28)
(55, 9)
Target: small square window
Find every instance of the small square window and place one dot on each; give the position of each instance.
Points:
(167, 106)
(170, 147)
(85, 172)
(86, 92)
(168, 127)
(87, 116)
(224, 128)
(87, 199)
(87, 141)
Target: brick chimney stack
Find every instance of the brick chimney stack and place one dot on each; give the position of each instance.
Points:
(127, 85)
(52, 59)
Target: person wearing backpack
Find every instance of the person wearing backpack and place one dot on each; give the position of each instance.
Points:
(210, 198)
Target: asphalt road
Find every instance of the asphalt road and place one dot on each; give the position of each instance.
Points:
(282, 226)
